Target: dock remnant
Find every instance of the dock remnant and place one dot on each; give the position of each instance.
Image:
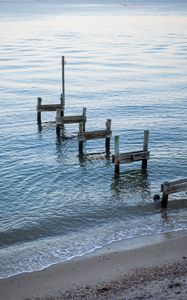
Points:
(170, 188)
(130, 157)
(47, 107)
(92, 135)
(61, 119)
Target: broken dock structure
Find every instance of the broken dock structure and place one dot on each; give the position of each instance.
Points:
(171, 187)
(61, 120)
(83, 136)
(47, 107)
(130, 157)
(93, 135)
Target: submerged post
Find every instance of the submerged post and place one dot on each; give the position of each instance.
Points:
(107, 140)
(145, 148)
(81, 130)
(39, 102)
(117, 160)
(164, 200)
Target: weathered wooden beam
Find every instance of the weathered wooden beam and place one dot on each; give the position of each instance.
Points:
(49, 107)
(174, 187)
(131, 157)
(69, 119)
(184, 180)
(92, 135)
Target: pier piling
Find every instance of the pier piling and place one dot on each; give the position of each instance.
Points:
(145, 148)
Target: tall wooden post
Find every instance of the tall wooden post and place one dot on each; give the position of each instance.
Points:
(145, 148)
(80, 142)
(107, 141)
(62, 97)
(39, 102)
(117, 161)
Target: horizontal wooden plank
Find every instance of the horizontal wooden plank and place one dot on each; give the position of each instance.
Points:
(49, 107)
(168, 183)
(130, 157)
(174, 187)
(70, 120)
(91, 135)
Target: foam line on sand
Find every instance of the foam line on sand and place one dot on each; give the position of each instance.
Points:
(112, 270)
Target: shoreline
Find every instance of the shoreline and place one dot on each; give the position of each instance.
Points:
(104, 266)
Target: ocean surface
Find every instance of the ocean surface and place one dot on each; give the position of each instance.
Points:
(125, 61)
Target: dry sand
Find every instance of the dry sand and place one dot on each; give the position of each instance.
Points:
(152, 267)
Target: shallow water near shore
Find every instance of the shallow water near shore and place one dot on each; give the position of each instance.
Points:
(126, 62)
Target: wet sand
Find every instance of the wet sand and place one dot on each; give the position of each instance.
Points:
(140, 268)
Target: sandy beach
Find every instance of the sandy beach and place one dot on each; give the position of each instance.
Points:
(141, 268)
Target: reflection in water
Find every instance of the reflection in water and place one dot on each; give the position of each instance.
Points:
(131, 183)
(43, 125)
(40, 127)
(61, 148)
(95, 156)
(164, 214)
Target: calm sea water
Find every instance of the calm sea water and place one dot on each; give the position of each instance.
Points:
(125, 60)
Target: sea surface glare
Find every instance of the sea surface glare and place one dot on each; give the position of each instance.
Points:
(125, 61)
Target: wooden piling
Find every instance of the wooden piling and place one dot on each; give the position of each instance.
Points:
(39, 103)
(145, 148)
(84, 116)
(62, 101)
(117, 160)
(58, 115)
(165, 195)
(81, 130)
(107, 140)
(164, 201)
